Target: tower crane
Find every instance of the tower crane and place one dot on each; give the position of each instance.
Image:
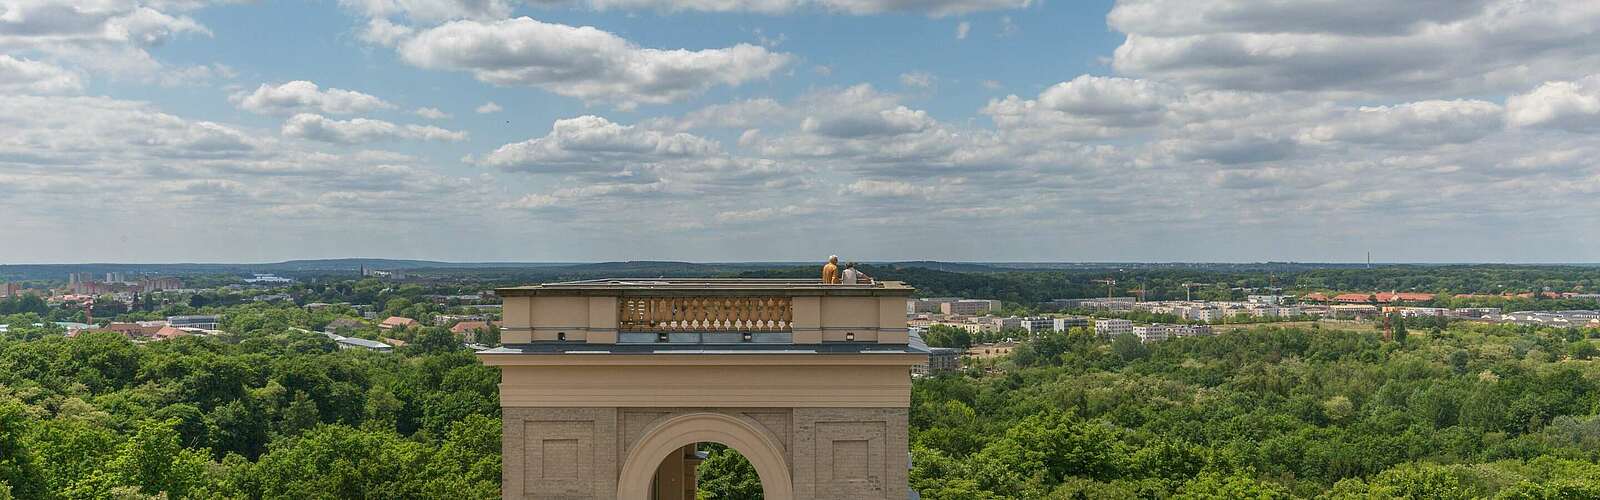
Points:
(1110, 284)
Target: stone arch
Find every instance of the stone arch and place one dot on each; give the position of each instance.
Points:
(757, 445)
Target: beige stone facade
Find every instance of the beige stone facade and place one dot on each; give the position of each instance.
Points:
(614, 382)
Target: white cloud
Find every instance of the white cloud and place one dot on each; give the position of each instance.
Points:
(1371, 17)
(362, 130)
(303, 96)
(1569, 105)
(588, 143)
(29, 76)
(432, 113)
(884, 188)
(432, 11)
(1367, 46)
(1417, 124)
(383, 32)
(763, 214)
(962, 28)
(918, 79)
(488, 108)
(193, 75)
(584, 62)
(112, 37)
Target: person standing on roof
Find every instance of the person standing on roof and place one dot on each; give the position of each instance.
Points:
(830, 271)
(853, 276)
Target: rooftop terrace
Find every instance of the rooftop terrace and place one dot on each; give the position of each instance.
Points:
(720, 315)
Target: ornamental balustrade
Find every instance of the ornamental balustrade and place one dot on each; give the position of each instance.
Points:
(705, 314)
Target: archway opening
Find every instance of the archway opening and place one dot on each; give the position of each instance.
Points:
(675, 442)
(706, 471)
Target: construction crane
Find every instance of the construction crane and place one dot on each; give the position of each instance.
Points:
(1110, 284)
(1139, 292)
(1188, 288)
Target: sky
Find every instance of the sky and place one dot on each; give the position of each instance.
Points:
(788, 130)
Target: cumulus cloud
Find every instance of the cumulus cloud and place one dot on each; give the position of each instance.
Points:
(361, 130)
(591, 142)
(29, 76)
(431, 11)
(962, 29)
(918, 79)
(763, 214)
(302, 96)
(432, 113)
(584, 62)
(90, 131)
(1417, 124)
(110, 37)
(1370, 17)
(886, 188)
(1367, 46)
(173, 176)
(488, 108)
(1568, 105)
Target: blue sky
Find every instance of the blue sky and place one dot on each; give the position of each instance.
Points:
(1168, 130)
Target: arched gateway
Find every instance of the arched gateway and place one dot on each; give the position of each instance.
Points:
(607, 386)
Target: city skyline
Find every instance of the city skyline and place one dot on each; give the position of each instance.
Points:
(781, 130)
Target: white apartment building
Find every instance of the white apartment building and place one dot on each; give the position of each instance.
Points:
(1266, 299)
(969, 307)
(928, 305)
(1036, 325)
(1064, 324)
(1112, 327)
(1159, 331)
(1004, 323)
(1203, 314)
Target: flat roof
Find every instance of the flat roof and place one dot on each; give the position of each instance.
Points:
(580, 348)
(707, 286)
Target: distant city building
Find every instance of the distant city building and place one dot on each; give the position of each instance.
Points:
(393, 322)
(266, 279)
(1266, 299)
(1070, 322)
(203, 322)
(1353, 311)
(1006, 323)
(1393, 297)
(1112, 327)
(1353, 298)
(358, 343)
(1561, 319)
(1475, 312)
(1112, 303)
(967, 307)
(139, 329)
(1036, 325)
(989, 351)
(928, 305)
(1158, 332)
(1419, 312)
(941, 360)
(159, 284)
(10, 290)
(470, 330)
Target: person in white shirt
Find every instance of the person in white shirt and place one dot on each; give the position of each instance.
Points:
(853, 276)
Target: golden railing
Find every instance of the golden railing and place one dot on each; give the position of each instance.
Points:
(705, 314)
